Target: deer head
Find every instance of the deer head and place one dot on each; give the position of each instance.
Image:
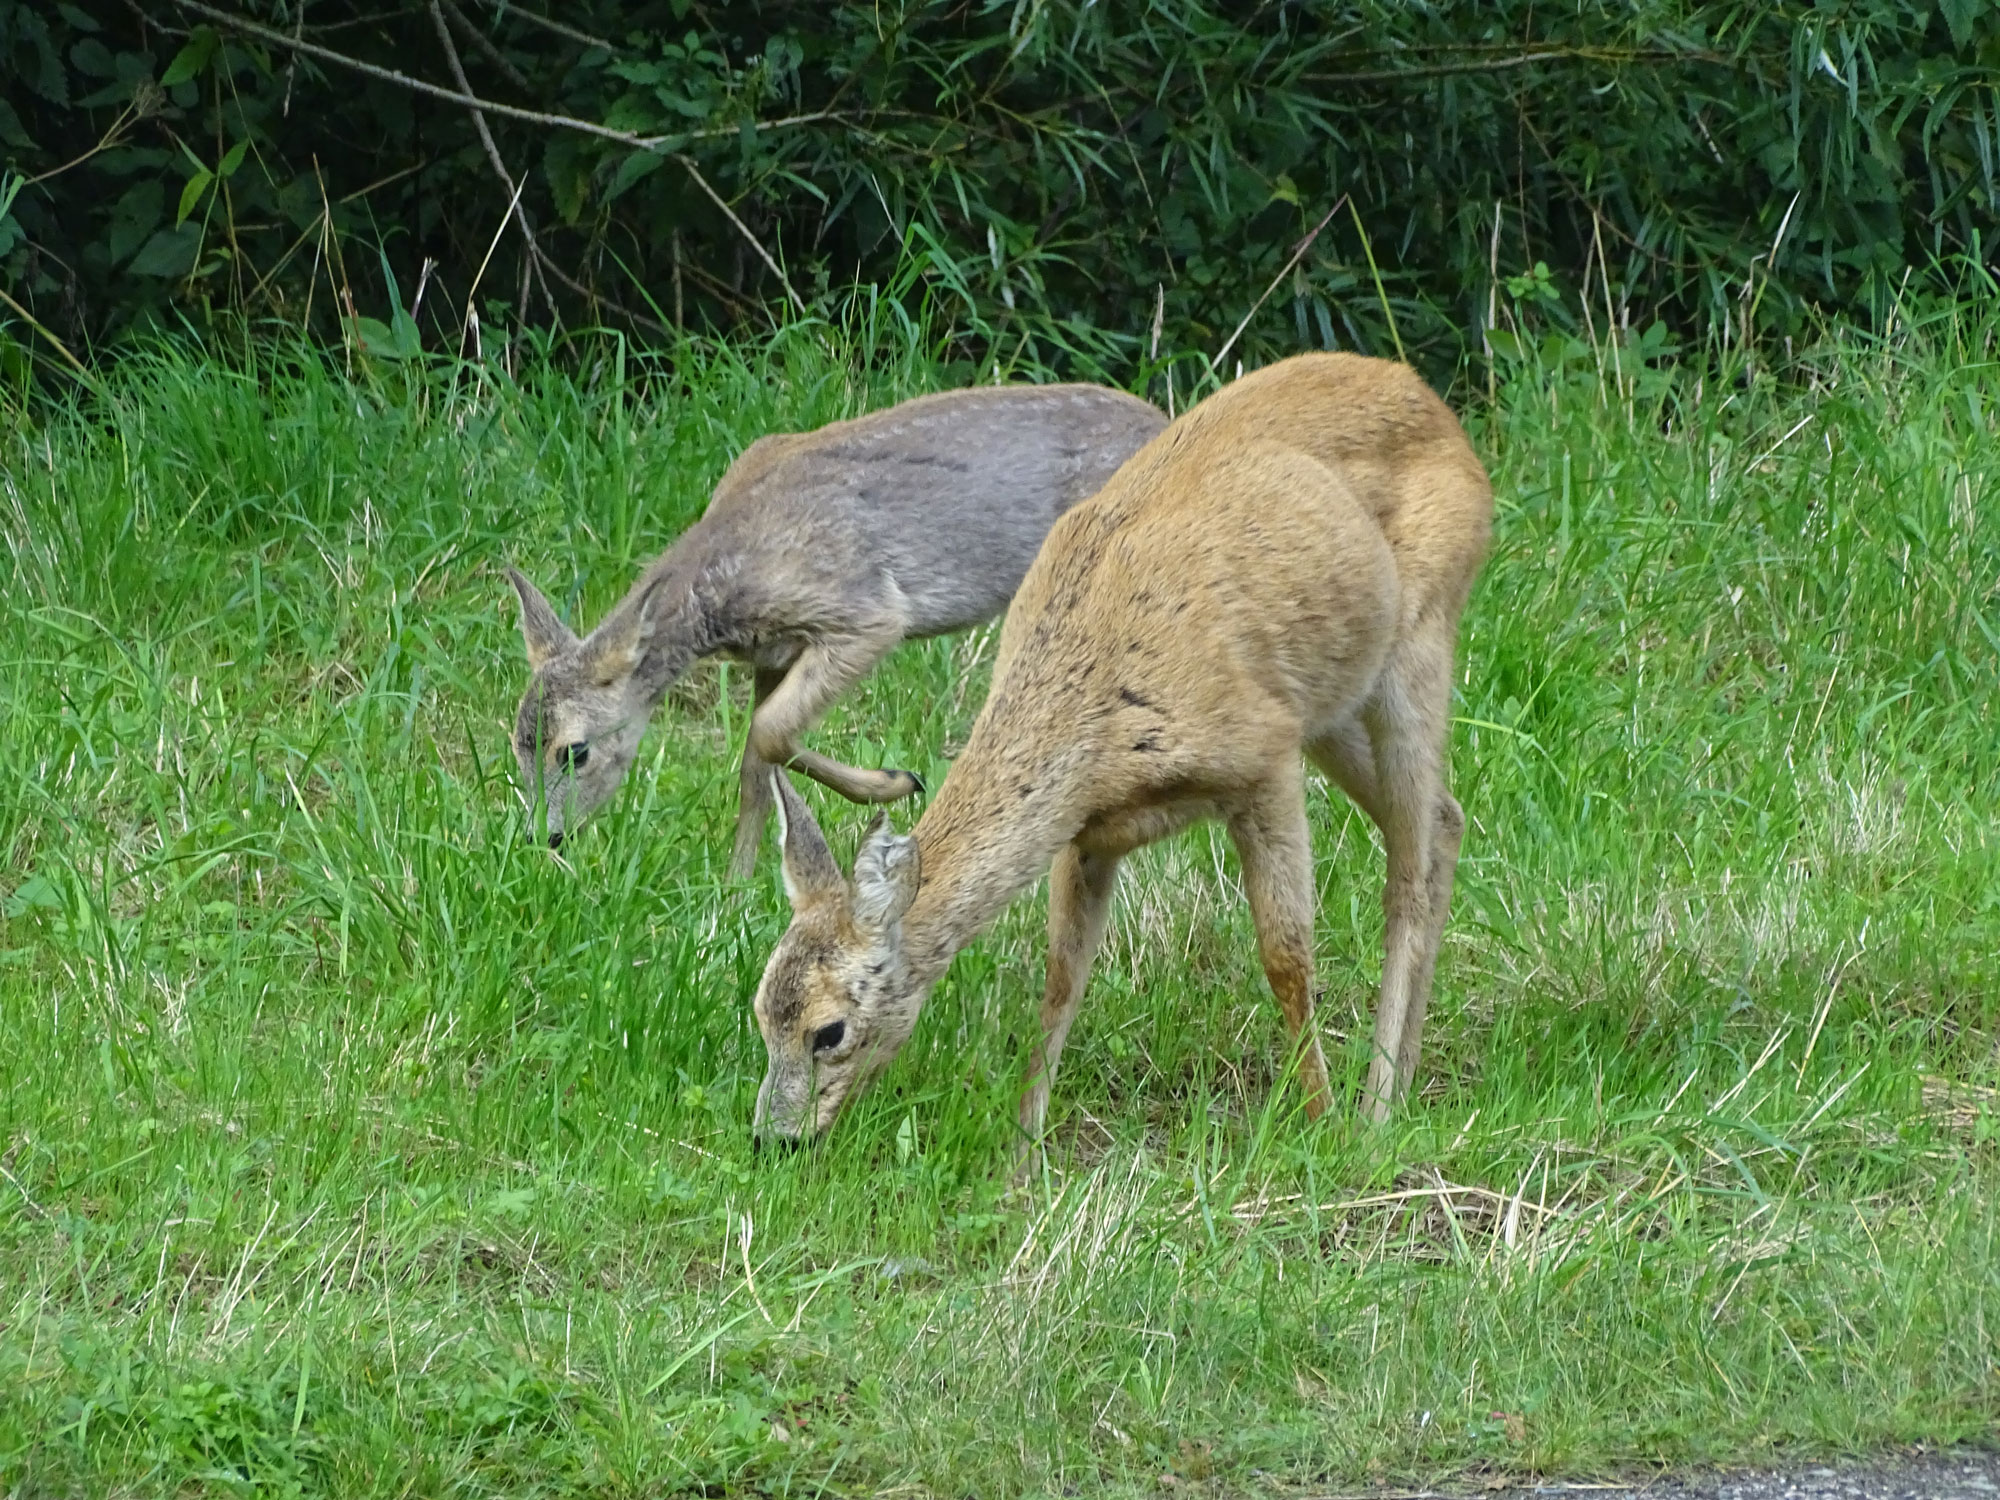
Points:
(837, 998)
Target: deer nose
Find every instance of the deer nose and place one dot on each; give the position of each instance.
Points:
(555, 840)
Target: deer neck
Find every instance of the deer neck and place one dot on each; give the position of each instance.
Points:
(995, 826)
(677, 625)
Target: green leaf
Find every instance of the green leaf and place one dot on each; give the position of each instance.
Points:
(46, 77)
(36, 893)
(373, 335)
(233, 158)
(568, 172)
(191, 59)
(384, 342)
(80, 19)
(136, 216)
(191, 194)
(1959, 16)
(93, 57)
(169, 253)
(638, 164)
(407, 337)
(11, 131)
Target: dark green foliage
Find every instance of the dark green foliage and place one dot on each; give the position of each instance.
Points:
(1047, 168)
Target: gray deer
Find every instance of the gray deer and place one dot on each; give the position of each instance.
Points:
(818, 553)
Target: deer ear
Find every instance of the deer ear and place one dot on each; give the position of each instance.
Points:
(619, 641)
(545, 635)
(887, 872)
(810, 873)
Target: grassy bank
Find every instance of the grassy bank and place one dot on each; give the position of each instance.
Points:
(353, 1146)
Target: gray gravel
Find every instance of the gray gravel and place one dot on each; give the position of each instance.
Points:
(1959, 1475)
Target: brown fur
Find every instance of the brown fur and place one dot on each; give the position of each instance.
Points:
(1281, 571)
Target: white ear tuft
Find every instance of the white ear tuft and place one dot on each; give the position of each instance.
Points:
(887, 872)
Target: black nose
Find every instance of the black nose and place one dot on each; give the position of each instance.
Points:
(775, 1142)
(555, 841)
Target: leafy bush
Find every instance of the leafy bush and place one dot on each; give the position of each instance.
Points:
(1064, 175)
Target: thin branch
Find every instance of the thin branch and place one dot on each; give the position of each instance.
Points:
(521, 12)
(292, 67)
(1516, 60)
(484, 44)
(114, 135)
(420, 86)
(545, 264)
(57, 344)
(1298, 251)
(493, 158)
(468, 100)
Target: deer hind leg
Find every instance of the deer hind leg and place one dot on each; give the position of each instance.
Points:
(1275, 848)
(1347, 756)
(823, 671)
(753, 786)
(1080, 888)
(1447, 834)
(1421, 828)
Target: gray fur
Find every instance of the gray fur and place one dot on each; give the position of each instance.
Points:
(818, 553)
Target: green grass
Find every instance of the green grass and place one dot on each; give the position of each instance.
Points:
(354, 1146)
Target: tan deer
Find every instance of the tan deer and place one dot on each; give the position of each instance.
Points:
(1281, 571)
(819, 552)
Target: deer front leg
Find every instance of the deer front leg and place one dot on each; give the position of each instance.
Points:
(1080, 887)
(1275, 848)
(823, 671)
(753, 786)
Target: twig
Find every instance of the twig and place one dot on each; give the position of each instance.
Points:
(687, 165)
(1380, 291)
(105, 142)
(521, 12)
(484, 44)
(1517, 60)
(55, 343)
(477, 276)
(1492, 298)
(292, 67)
(492, 151)
(1284, 270)
(544, 262)
(469, 100)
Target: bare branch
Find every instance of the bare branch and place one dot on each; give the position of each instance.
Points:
(76, 365)
(484, 44)
(467, 99)
(1298, 250)
(486, 137)
(545, 264)
(522, 13)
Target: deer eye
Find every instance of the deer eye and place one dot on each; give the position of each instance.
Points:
(574, 756)
(828, 1036)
